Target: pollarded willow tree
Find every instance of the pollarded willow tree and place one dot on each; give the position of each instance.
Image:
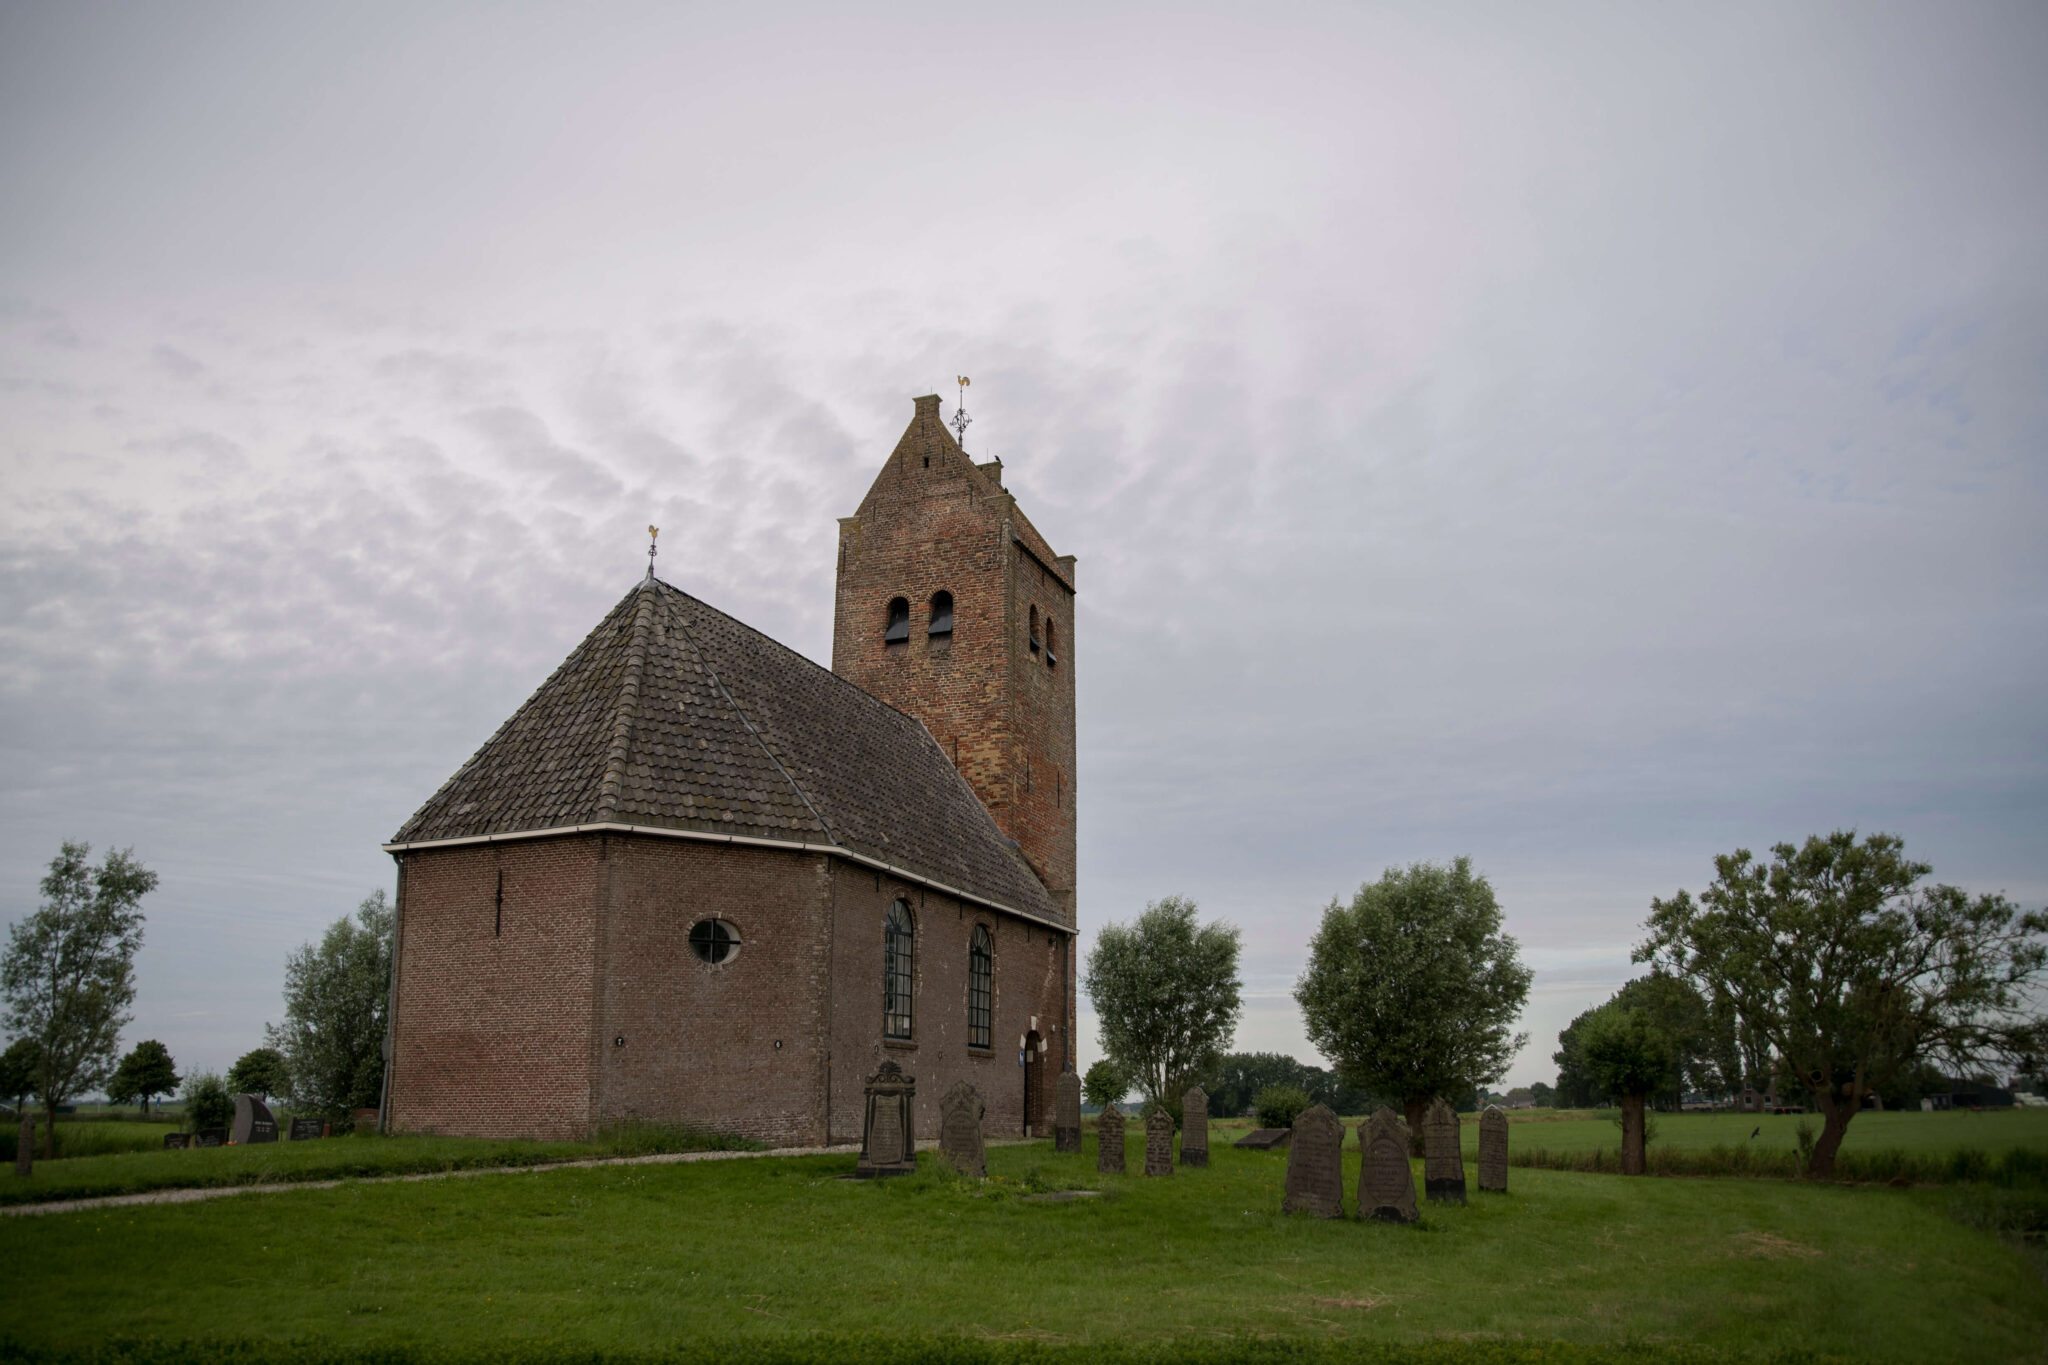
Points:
(1853, 972)
(1167, 997)
(1411, 989)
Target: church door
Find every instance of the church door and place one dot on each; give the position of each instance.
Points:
(1034, 1085)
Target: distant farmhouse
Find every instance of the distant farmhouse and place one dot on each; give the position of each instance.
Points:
(698, 879)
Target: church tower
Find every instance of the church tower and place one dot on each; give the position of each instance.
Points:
(951, 607)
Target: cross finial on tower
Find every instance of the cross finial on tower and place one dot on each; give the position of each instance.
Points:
(960, 417)
(653, 533)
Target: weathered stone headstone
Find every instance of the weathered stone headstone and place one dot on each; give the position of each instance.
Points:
(1109, 1142)
(1443, 1165)
(253, 1121)
(210, 1137)
(1265, 1139)
(1159, 1141)
(177, 1140)
(1493, 1149)
(25, 1145)
(1386, 1183)
(304, 1128)
(960, 1142)
(1315, 1165)
(888, 1138)
(1194, 1127)
(1066, 1113)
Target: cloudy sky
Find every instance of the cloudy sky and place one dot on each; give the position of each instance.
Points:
(1587, 438)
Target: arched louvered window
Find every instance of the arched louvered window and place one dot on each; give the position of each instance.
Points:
(899, 622)
(981, 972)
(1034, 630)
(1052, 660)
(899, 944)
(942, 614)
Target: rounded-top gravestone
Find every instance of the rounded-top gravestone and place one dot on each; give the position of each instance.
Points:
(1159, 1141)
(1066, 1113)
(1386, 1182)
(253, 1121)
(1315, 1165)
(1493, 1150)
(960, 1141)
(1443, 1165)
(1109, 1142)
(1194, 1127)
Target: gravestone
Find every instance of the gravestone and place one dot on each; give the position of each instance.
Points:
(1066, 1113)
(1315, 1165)
(253, 1121)
(210, 1137)
(1194, 1127)
(304, 1128)
(1159, 1141)
(1386, 1183)
(1109, 1142)
(1493, 1150)
(960, 1131)
(1443, 1165)
(177, 1140)
(888, 1138)
(1265, 1139)
(25, 1145)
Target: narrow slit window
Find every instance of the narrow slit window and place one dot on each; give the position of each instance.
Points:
(1052, 660)
(899, 943)
(942, 614)
(1034, 630)
(981, 970)
(898, 631)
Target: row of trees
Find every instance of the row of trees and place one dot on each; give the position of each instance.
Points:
(68, 982)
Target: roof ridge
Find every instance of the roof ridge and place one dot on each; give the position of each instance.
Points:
(627, 708)
(704, 661)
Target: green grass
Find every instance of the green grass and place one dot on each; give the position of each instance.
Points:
(1992, 1130)
(93, 1137)
(327, 1159)
(758, 1254)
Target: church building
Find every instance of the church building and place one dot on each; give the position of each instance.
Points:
(696, 878)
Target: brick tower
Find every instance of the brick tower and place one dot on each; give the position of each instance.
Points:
(952, 608)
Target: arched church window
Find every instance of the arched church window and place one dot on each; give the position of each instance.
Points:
(899, 941)
(1034, 630)
(981, 970)
(899, 622)
(1052, 660)
(942, 614)
(714, 940)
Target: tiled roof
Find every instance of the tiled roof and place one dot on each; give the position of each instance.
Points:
(672, 714)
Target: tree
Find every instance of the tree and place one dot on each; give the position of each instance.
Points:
(1542, 1095)
(260, 1071)
(1851, 971)
(19, 1067)
(1166, 995)
(146, 1071)
(1628, 1054)
(336, 995)
(1239, 1076)
(1576, 1086)
(207, 1101)
(1104, 1085)
(69, 973)
(1411, 989)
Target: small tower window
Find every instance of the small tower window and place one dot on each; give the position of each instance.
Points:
(899, 622)
(714, 940)
(899, 941)
(1052, 660)
(1034, 630)
(942, 614)
(981, 970)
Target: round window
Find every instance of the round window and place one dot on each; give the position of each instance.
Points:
(714, 940)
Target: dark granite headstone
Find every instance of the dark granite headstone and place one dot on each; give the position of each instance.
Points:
(1386, 1182)
(177, 1140)
(888, 1137)
(1194, 1127)
(1159, 1141)
(960, 1142)
(1066, 1113)
(1265, 1139)
(1443, 1165)
(1109, 1142)
(1493, 1149)
(210, 1137)
(1315, 1165)
(304, 1128)
(25, 1145)
(253, 1121)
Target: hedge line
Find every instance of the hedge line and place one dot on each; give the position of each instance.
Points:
(2018, 1167)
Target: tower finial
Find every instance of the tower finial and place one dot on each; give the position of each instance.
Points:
(653, 533)
(960, 417)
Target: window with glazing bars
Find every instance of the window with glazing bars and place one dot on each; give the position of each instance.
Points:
(981, 968)
(898, 942)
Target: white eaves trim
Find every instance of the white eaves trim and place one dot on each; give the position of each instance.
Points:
(659, 831)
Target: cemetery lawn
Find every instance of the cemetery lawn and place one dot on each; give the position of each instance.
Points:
(754, 1253)
(1989, 1130)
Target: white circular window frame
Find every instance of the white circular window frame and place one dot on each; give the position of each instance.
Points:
(739, 941)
